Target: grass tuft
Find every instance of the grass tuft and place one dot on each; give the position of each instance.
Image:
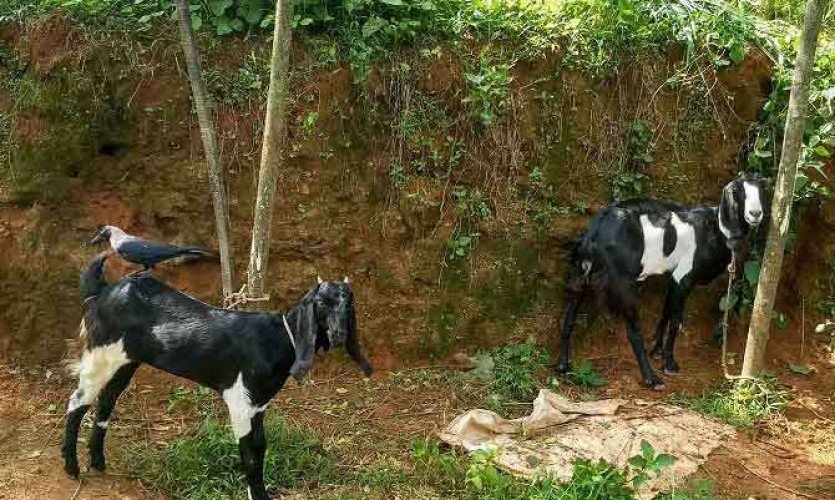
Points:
(205, 464)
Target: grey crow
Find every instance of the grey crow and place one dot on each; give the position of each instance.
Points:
(139, 251)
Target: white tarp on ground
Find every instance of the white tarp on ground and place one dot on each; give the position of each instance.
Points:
(558, 432)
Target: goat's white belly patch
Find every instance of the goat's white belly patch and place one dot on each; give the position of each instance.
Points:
(241, 409)
(679, 261)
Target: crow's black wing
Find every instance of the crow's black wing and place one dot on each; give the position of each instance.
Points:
(147, 252)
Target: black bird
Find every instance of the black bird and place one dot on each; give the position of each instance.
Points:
(139, 251)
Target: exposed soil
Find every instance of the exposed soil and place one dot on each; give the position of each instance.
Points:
(338, 214)
(370, 420)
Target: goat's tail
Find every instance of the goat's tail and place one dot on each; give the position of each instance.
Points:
(91, 281)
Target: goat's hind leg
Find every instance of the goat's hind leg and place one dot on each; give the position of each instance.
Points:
(107, 401)
(661, 328)
(572, 306)
(97, 366)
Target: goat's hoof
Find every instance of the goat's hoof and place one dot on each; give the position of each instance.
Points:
(657, 385)
(71, 468)
(98, 464)
(655, 353)
(671, 369)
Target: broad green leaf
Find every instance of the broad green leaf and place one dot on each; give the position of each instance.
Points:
(392, 2)
(196, 22)
(822, 152)
(665, 460)
(222, 26)
(236, 24)
(218, 7)
(637, 461)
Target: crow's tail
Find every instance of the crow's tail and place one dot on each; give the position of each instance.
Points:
(91, 281)
(195, 251)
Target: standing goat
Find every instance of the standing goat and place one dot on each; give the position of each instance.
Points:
(630, 240)
(245, 356)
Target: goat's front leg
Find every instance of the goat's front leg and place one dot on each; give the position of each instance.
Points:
(572, 305)
(252, 448)
(107, 401)
(633, 332)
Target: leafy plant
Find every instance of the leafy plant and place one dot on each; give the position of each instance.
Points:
(460, 244)
(514, 369)
(648, 463)
(584, 374)
(741, 404)
(488, 89)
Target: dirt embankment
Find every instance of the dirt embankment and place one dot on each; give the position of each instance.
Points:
(383, 175)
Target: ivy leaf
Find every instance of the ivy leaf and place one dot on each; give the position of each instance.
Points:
(196, 22)
(822, 152)
(236, 24)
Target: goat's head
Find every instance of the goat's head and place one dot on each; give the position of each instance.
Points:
(103, 234)
(744, 204)
(328, 320)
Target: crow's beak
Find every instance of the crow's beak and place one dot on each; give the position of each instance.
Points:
(97, 239)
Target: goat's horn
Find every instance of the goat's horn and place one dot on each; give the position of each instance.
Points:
(319, 279)
(346, 280)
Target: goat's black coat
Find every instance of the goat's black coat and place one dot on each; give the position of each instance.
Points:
(216, 348)
(608, 259)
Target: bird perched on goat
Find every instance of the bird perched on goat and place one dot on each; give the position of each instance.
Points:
(140, 251)
(628, 241)
(245, 356)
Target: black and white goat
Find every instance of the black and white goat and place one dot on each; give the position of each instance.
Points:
(245, 356)
(628, 241)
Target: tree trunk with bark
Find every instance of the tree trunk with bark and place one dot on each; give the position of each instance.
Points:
(207, 133)
(781, 206)
(272, 149)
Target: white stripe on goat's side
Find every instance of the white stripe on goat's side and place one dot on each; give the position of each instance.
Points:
(95, 369)
(680, 260)
(241, 409)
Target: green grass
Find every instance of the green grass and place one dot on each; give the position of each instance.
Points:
(205, 463)
(742, 404)
(513, 371)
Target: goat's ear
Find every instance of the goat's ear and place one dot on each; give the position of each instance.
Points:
(318, 279)
(306, 330)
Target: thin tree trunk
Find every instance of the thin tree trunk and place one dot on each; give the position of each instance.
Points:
(272, 149)
(207, 131)
(783, 193)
